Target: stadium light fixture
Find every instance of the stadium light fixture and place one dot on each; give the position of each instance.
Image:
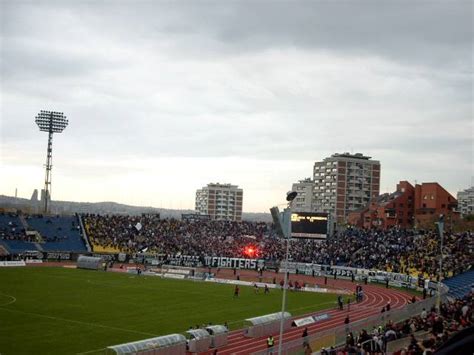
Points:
(440, 224)
(51, 122)
(286, 227)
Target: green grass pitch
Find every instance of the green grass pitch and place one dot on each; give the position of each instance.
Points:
(68, 311)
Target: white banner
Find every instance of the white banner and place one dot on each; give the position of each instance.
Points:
(173, 276)
(315, 289)
(321, 317)
(303, 321)
(12, 263)
(237, 263)
(34, 261)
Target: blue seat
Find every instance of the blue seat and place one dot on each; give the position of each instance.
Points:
(59, 233)
(11, 225)
(19, 246)
(460, 285)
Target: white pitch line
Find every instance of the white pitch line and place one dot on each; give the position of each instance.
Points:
(13, 300)
(77, 322)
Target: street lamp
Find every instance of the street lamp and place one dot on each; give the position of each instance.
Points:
(440, 224)
(51, 122)
(287, 234)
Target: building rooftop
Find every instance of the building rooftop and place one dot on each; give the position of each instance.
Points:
(351, 156)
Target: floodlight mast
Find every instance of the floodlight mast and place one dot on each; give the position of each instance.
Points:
(51, 122)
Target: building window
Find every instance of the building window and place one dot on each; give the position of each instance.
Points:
(425, 197)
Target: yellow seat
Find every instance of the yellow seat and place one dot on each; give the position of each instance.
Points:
(106, 249)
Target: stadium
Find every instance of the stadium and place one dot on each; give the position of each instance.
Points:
(84, 284)
(236, 177)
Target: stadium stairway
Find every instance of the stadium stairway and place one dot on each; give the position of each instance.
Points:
(39, 247)
(4, 250)
(23, 222)
(460, 285)
(85, 236)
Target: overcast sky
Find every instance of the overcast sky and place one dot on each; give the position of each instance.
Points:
(164, 97)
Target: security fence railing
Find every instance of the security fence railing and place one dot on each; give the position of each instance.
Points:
(337, 336)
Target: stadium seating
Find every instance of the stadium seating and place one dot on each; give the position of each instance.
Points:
(460, 285)
(105, 249)
(3, 250)
(11, 225)
(18, 246)
(59, 233)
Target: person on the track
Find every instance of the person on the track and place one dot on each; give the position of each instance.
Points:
(270, 344)
(339, 302)
(305, 333)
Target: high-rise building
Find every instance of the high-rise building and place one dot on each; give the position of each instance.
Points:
(466, 201)
(304, 200)
(344, 183)
(220, 201)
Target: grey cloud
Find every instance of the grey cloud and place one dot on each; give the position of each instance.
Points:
(264, 79)
(425, 32)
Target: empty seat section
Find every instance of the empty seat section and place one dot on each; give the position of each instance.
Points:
(59, 233)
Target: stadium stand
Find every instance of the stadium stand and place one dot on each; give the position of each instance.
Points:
(460, 285)
(13, 239)
(59, 233)
(421, 334)
(19, 246)
(11, 227)
(3, 251)
(403, 251)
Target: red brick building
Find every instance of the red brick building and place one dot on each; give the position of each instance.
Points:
(407, 207)
(431, 200)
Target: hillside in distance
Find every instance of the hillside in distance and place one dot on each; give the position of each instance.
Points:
(71, 207)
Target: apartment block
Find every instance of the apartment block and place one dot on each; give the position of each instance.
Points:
(304, 200)
(466, 201)
(344, 183)
(220, 201)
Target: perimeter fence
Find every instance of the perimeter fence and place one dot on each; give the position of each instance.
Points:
(337, 335)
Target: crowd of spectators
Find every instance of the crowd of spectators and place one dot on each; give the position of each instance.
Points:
(170, 236)
(393, 250)
(426, 332)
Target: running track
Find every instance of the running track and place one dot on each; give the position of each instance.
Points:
(375, 297)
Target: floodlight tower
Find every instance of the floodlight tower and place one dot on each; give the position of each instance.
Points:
(51, 122)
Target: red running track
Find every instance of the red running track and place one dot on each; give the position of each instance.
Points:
(375, 298)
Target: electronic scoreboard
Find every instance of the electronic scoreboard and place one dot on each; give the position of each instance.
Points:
(309, 225)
